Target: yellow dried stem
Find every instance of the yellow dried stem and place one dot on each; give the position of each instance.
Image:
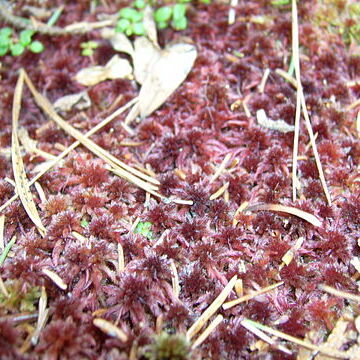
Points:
(79, 237)
(239, 288)
(240, 209)
(353, 105)
(21, 181)
(55, 278)
(216, 304)
(3, 288)
(42, 317)
(287, 77)
(207, 331)
(110, 329)
(248, 297)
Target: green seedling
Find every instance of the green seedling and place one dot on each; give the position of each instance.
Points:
(17, 44)
(88, 48)
(144, 229)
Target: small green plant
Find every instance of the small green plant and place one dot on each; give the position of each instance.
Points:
(88, 48)
(168, 347)
(16, 44)
(131, 18)
(144, 229)
(19, 299)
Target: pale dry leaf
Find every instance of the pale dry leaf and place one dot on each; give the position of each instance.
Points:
(78, 101)
(146, 54)
(21, 181)
(165, 76)
(150, 26)
(119, 41)
(116, 68)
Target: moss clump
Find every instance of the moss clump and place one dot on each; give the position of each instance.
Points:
(168, 347)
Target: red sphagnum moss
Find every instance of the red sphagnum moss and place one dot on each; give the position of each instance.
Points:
(90, 214)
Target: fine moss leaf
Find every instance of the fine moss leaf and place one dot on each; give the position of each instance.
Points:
(21, 181)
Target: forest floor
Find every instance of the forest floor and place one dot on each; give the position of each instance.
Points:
(193, 226)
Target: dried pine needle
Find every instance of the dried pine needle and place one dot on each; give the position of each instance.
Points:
(248, 297)
(2, 226)
(239, 288)
(42, 318)
(240, 209)
(339, 293)
(216, 304)
(66, 151)
(287, 77)
(286, 209)
(55, 278)
(289, 255)
(110, 329)
(21, 181)
(221, 168)
(264, 80)
(207, 331)
(332, 353)
(175, 279)
(121, 259)
(300, 93)
(219, 192)
(265, 337)
(40, 192)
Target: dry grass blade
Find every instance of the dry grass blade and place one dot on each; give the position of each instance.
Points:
(333, 353)
(208, 331)
(72, 147)
(205, 316)
(122, 169)
(110, 329)
(220, 191)
(339, 293)
(312, 219)
(296, 57)
(21, 181)
(244, 298)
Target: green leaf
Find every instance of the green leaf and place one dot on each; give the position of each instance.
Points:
(179, 24)
(205, 2)
(138, 28)
(139, 4)
(3, 50)
(25, 37)
(6, 32)
(36, 47)
(130, 14)
(163, 14)
(87, 52)
(129, 31)
(144, 229)
(162, 25)
(122, 25)
(84, 223)
(16, 49)
(55, 16)
(179, 11)
(280, 2)
(5, 41)
(6, 250)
